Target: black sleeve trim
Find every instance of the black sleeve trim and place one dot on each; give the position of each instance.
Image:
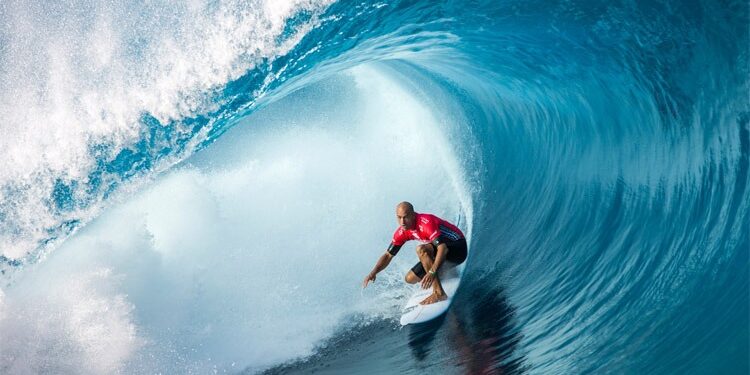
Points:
(393, 249)
(440, 239)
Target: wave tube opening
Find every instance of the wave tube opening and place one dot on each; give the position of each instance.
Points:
(253, 251)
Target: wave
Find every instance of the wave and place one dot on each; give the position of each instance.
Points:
(206, 193)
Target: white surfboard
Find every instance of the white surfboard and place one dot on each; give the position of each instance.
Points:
(414, 313)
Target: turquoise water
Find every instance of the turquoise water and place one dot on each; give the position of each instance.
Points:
(202, 187)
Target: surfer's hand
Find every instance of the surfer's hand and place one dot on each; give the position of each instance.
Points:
(427, 280)
(370, 277)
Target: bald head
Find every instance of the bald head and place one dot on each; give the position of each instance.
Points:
(405, 215)
(405, 206)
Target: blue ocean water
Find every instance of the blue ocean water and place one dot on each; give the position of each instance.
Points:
(202, 187)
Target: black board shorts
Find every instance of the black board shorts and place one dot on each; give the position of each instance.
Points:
(457, 253)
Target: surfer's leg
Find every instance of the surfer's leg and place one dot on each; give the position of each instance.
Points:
(415, 274)
(426, 255)
(426, 249)
(411, 277)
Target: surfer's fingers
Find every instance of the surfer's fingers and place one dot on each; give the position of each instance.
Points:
(367, 281)
(426, 281)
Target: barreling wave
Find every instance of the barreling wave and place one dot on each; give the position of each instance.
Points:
(201, 187)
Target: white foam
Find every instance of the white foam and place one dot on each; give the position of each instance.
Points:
(255, 252)
(63, 323)
(82, 74)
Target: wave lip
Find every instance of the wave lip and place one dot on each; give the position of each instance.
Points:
(118, 90)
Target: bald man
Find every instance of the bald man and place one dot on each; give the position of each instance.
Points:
(443, 244)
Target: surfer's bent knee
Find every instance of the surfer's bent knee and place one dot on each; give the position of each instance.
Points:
(411, 277)
(424, 249)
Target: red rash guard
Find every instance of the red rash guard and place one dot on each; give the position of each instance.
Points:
(430, 228)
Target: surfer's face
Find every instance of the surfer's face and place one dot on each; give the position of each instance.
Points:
(406, 218)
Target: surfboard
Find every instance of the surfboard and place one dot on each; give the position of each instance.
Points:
(414, 313)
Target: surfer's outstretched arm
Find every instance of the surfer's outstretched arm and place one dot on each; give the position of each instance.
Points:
(382, 263)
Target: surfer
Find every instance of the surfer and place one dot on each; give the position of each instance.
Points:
(442, 242)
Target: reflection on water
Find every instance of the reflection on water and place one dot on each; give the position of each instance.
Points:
(479, 331)
(477, 336)
(422, 336)
(484, 334)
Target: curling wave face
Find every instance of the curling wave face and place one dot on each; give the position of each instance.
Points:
(597, 153)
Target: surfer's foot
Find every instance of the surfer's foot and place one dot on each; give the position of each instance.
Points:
(434, 297)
